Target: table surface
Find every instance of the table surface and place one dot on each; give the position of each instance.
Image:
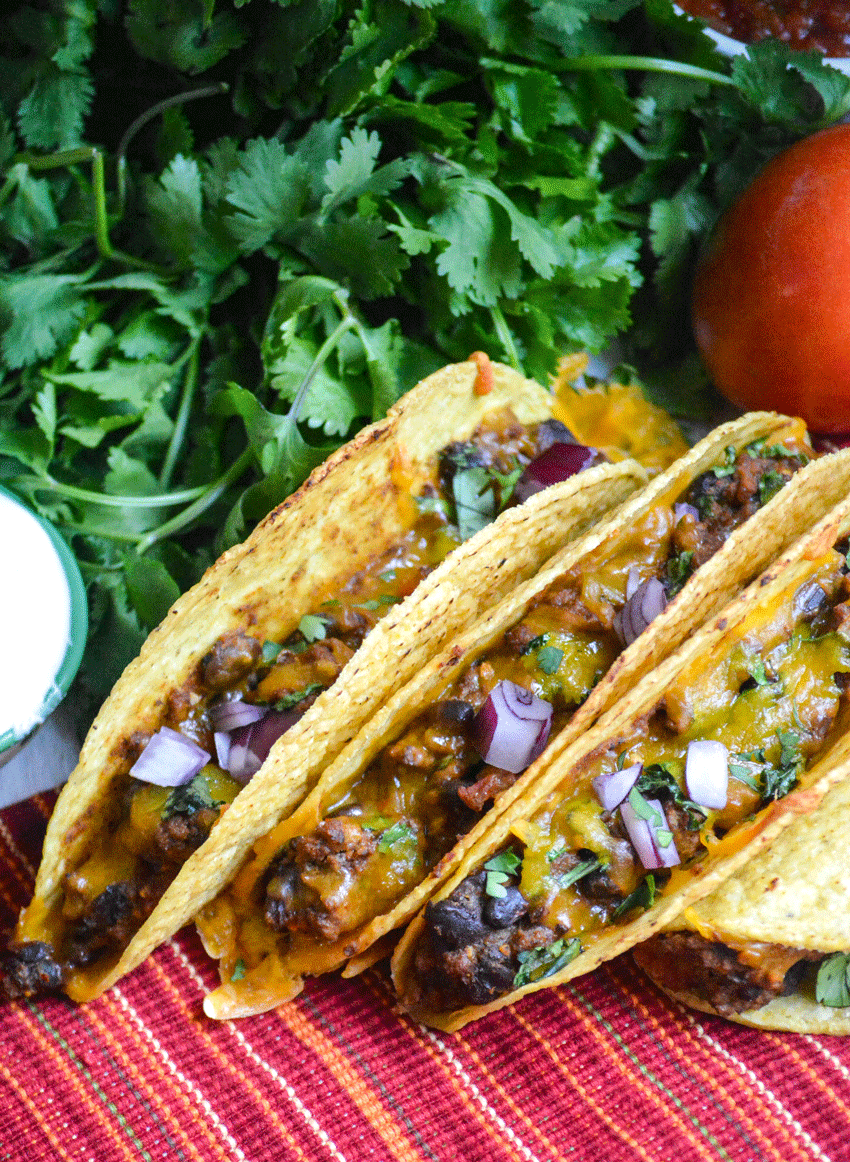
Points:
(604, 1068)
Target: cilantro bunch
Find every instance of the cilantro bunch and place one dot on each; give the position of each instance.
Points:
(235, 232)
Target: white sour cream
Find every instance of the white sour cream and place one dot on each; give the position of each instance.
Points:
(35, 618)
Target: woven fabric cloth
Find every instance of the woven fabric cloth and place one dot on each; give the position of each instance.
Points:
(605, 1068)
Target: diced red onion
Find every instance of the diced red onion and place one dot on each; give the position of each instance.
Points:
(644, 834)
(641, 608)
(250, 745)
(512, 727)
(557, 463)
(169, 759)
(229, 715)
(221, 738)
(613, 786)
(682, 509)
(707, 773)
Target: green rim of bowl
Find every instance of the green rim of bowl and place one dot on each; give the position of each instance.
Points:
(78, 629)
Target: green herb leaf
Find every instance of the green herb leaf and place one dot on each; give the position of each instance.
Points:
(499, 870)
(400, 832)
(288, 701)
(192, 797)
(833, 981)
(538, 963)
(312, 628)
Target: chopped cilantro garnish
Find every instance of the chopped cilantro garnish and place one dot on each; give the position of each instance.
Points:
(190, 798)
(549, 659)
(288, 701)
(400, 832)
(642, 897)
(238, 970)
(658, 777)
(312, 628)
(379, 602)
(677, 571)
(271, 651)
(769, 484)
(474, 501)
(728, 465)
(499, 870)
(432, 504)
(758, 673)
(832, 987)
(536, 643)
(538, 963)
(578, 872)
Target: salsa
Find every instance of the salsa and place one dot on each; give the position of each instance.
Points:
(821, 25)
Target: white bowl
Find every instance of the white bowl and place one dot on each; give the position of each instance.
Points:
(43, 622)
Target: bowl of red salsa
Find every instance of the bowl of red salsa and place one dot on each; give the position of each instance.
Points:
(804, 25)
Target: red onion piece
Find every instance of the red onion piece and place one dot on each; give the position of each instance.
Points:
(682, 509)
(169, 759)
(613, 786)
(707, 773)
(250, 745)
(641, 608)
(229, 715)
(222, 748)
(653, 849)
(512, 727)
(559, 462)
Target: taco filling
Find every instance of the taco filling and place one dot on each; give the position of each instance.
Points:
(733, 977)
(423, 792)
(220, 725)
(641, 816)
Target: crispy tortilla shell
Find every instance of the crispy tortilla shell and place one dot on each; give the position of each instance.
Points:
(796, 893)
(351, 509)
(748, 550)
(685, 886)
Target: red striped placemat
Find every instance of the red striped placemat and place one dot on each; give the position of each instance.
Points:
(605, 1068)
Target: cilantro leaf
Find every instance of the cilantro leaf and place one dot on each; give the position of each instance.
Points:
(538, 963)
(833, 981)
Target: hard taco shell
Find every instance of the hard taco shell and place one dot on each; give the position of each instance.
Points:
(747, 551)
(352, 508)
(735, 851)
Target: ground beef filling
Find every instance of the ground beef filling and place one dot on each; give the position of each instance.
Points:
(730, 980)
(106, 924)
(724, 499)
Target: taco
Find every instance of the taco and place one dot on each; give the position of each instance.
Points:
(397, 809)
(344, 581)
(700, 767)
(771, 947)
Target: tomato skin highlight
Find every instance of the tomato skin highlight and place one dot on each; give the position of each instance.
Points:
(771, 296)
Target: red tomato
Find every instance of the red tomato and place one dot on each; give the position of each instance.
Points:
(771, 302)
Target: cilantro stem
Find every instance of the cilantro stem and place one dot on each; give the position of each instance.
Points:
(204, 501)
(190, 383)
(505, 338)
(72, 492)
(347, 323)
(649, 64)
(161, 106)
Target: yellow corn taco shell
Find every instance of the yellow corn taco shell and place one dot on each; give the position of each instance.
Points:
(258, 969)
(354, 510)
(720, 686)
(768, 931)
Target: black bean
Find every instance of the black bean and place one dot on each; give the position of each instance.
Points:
(504, 911)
